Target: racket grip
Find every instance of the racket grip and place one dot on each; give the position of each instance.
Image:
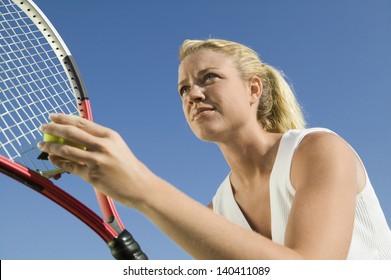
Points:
(124, 247)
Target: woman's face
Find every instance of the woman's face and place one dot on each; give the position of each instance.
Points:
(215, 99)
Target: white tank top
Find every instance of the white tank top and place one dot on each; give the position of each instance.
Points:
(371, 235)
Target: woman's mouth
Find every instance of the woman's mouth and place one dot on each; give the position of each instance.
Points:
(201, 112)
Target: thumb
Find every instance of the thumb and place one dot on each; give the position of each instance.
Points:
(79, 169)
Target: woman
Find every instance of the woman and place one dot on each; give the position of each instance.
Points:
(291, 193)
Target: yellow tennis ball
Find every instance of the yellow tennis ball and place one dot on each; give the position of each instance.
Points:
(54, 139)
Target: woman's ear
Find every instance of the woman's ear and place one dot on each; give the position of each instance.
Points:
(256, 89)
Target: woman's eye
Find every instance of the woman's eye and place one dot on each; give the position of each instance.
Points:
(209, 76)
(183, 90)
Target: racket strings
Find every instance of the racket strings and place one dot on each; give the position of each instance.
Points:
(33, 85)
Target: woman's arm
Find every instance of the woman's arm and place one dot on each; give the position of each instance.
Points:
(204, 234)
(327, 176)
(320, 224)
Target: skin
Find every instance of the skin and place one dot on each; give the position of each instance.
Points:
(221, 107)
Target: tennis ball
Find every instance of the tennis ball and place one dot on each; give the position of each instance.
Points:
(54, 139)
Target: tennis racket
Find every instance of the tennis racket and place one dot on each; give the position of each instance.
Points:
(38, 77)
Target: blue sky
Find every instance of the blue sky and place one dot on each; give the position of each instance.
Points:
(335, 53)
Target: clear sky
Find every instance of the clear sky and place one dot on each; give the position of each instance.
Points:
(335, 53)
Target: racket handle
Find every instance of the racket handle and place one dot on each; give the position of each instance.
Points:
(124, 247)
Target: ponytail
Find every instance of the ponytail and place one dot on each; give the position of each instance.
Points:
(278, 109)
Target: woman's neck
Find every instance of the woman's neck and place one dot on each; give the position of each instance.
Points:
(252, 153)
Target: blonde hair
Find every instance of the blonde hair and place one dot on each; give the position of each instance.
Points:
(278, 109)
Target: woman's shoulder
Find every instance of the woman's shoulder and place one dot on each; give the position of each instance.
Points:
(299, 134)
(303, 141)
(320, 138)
(313, 139)
(324, 151)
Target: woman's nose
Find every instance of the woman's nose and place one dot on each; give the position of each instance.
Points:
(196, 94)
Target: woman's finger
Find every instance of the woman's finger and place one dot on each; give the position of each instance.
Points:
(81, 123)
(72, 135)
(66, 153)
(72, 167)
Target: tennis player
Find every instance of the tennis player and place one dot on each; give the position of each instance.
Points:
(292, 193)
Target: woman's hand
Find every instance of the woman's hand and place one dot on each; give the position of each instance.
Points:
(107, 162)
